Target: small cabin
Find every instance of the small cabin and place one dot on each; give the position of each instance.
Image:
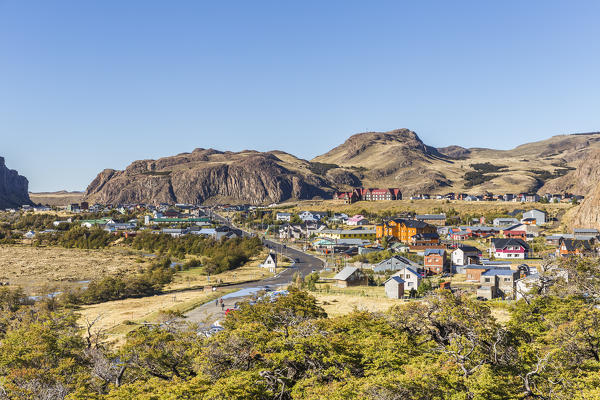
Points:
(270, 262)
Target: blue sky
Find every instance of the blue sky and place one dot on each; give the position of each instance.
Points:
(88, 85)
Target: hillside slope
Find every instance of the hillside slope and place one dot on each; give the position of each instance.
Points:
(399, 158)
(210, 176)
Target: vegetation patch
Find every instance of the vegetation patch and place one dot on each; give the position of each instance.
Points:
(157, 173)
(321, 168)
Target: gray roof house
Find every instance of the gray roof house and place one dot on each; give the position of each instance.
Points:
(350, 276)
(394, 264)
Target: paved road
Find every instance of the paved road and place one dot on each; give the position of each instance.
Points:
(304, 264)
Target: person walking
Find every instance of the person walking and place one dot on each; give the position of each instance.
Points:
(216, 302)
(222, 306)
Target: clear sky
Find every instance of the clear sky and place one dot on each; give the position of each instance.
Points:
(88, 85)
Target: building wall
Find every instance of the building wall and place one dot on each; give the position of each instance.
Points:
(434, 263)
(394, 290)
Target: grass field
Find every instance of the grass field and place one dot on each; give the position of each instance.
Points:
(61, 198)
(36, 269)
(197, 276)
(423, 206)
(117, 318)
(342, 301)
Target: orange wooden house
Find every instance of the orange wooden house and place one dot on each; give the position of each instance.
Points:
(403, 229)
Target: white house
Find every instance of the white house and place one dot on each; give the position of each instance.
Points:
(505, 221)
(283, 216)
(412, 279)
(394, 287)
(270, 262)
(465, 255)
(539, 216)
(357, 220)
(307, 216)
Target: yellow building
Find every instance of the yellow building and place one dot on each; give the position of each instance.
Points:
(367, 234)
(403, 229)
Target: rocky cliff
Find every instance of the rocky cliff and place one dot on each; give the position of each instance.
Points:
(397, 158)
(13, 187)
(209, 176)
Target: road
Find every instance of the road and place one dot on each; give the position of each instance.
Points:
(304, 264)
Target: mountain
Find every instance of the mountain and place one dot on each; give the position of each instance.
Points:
(13, 187)
(211, 176)
(399, 158)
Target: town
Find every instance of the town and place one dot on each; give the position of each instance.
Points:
(495, 258)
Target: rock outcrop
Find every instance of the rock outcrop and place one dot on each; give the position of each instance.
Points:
(13, 187)
(206, 176)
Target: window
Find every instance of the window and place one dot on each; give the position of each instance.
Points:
(487, 279)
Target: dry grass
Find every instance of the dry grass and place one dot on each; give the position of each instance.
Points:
(197, 277)
(36, 268)
(340, 303)
(424, 206)
(61, 198)
(117, 318)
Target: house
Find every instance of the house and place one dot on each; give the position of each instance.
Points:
(433, 219)
(424, 239)
(504, 280)
(394, 287)
(505, 221)
(394, 263)
(509, 248)
(538, 215)
(338, 218)
(473, 272)
(400, 248)
(531, 198)
(529, 221)
(487, 292)
(464, 255)
(554, 240)
(521, 231)
(283, 216)
(350, 276)
(574, 247)
(346, 197)
(175, 232)
(96, 222)
(434, 261)
(307, 216)
(412, 279)
(270, 262)
(366, 234)
(583, 232)
(378, 194)
(58, 223)
(357, 220)
(403, 229)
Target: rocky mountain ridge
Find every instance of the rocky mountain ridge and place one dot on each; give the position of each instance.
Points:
(397, 158)
(13, 187)
(208, 175)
